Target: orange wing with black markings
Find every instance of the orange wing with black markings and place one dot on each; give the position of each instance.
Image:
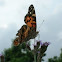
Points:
(30, 18)
(27, 31)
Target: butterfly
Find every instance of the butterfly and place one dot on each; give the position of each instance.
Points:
(28, 31)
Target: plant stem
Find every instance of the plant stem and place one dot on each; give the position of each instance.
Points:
(39, 57)
(35, 58)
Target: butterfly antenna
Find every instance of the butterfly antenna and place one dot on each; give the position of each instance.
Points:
(40, 25)
(39, 30)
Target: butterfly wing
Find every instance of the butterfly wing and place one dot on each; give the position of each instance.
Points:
(28, 31)
(30, 18)
(16, 42)
(21, 35)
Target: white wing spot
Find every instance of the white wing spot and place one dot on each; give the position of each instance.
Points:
(30, 12)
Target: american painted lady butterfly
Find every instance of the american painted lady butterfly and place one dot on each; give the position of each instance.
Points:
(27, 31)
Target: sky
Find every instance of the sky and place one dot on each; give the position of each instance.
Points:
(12, 13)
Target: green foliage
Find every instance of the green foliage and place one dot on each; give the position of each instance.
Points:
(15, 54)
(22, 59)
(55, 58)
